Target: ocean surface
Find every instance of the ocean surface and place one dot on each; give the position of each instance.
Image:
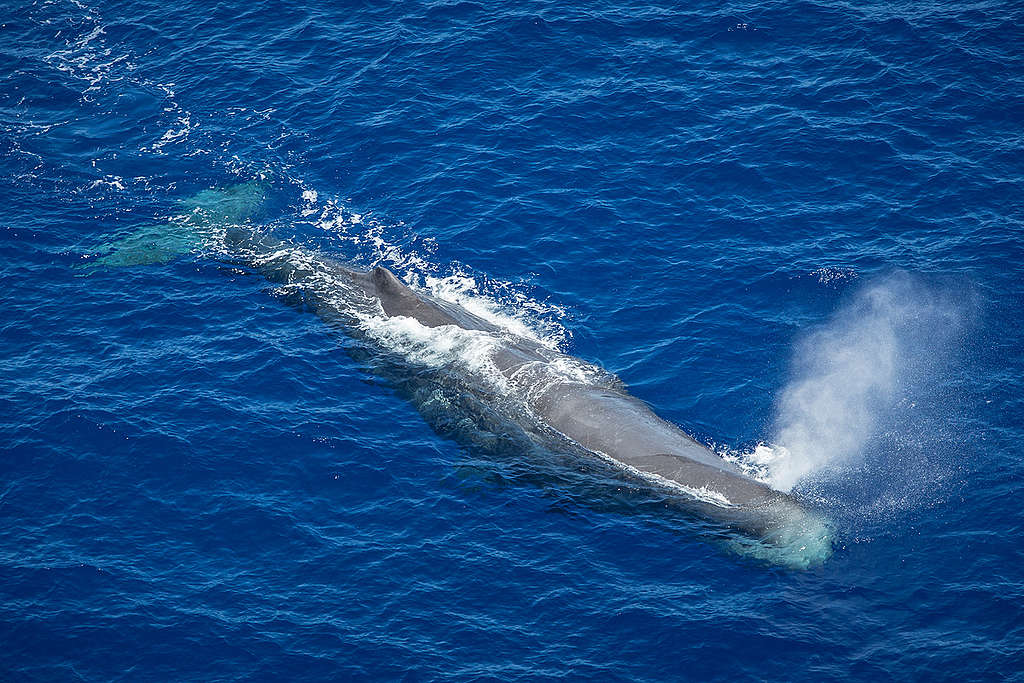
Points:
(794, 229)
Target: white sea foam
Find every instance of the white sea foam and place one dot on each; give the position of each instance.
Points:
(437, 347)
(178, 132)
(111, 181)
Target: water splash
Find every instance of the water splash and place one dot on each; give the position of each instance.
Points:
(849, 375)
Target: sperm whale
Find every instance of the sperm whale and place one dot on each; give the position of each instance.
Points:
(607, 421)
(604, 419)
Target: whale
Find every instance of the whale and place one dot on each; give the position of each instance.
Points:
(608, 421)
(602, 419)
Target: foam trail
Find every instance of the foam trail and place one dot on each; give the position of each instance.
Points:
(849, 374)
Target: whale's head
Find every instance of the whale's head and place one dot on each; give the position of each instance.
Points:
(792, 537)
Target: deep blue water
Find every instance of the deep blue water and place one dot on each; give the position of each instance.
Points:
(793, 225)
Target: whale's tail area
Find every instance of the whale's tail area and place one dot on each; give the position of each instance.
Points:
(207, 216)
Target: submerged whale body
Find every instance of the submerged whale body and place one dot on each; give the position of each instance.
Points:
(604, 419)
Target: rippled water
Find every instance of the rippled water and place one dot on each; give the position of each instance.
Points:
(792, 229)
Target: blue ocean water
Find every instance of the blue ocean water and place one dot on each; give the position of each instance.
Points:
(795, 229)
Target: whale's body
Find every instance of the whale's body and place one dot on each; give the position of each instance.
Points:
(603, 418)
(607, 421)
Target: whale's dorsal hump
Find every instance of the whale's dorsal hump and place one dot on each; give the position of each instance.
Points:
(388, 284)
(398, 298)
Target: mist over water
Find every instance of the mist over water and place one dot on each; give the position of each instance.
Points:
(877, 352)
